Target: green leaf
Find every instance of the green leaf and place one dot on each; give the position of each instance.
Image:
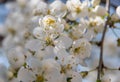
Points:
(118, 42)
(84, 73)
(69, 79)
(32, 52)
(56, 58)
(98, 80)
(25, 64)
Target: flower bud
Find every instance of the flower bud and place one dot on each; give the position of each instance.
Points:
(95, 2)
(100, 11)
(118, 11)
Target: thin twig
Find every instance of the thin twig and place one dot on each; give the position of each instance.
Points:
(100, 67)
(111, 68)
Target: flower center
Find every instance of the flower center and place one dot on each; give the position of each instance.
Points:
(93, 23)
(77, 9)
(77, 50)
(49, 41)
(50, 21)
(40, 78)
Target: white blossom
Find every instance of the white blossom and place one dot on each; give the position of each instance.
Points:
(115, 17)
(98, 9)
(81, 48)
(49, 21)
(118, 11)
(41, 9)
(97, 24)
(95, 2)
(16, 57)
(63, 42)
(33, 45)
(38, 32)
(47, 42)
(77, 9)
(74, 76)
(58, 8)
(26, 75)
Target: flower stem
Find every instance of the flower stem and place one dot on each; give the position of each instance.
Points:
(101, 65)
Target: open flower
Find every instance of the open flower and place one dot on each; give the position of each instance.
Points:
(51, 24)
(49, 21)
(58, 8)
(41, 9)
(16, 57)
(81, 48)
(96, 24)
(38, 32)
(77, 9)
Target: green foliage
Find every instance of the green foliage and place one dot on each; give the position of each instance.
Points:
(69, 79)
(118, 42)
(84, 73)
(98, 80)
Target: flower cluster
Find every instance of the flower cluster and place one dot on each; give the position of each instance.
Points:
(49, 46)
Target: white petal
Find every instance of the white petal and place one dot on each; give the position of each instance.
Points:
(35, 65)
(25, 75)
(33, 45)
(84, 48)
(75, 76)
(49, 65)
(115, 17)
(99, 9)
(55, 76)
(38, 32)
(64, 42)
(72, 61)
(118, 11)
(41, 9)
(48, 52)
(16, 57)
(58, 8)
(95, 2)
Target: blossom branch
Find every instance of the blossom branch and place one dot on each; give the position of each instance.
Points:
(100, 67)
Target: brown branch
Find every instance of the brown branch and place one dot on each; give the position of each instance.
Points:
(101, 65)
